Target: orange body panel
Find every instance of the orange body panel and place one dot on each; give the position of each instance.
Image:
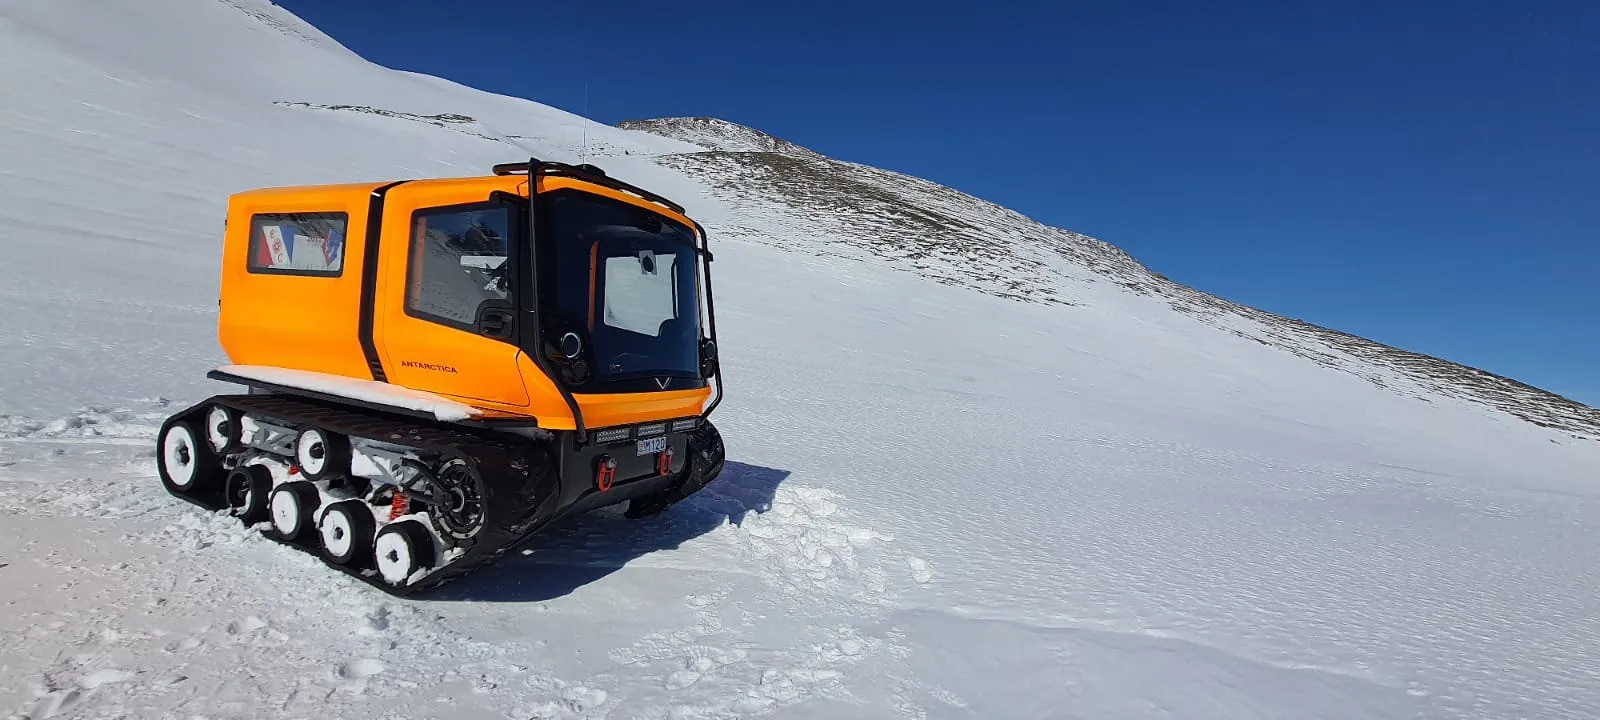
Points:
(424, 354)
(302, 311)
(625, 408)
(295, 321)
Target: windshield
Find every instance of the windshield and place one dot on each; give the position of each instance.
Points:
(624, 279)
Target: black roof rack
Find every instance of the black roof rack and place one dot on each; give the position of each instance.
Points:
(585, 172)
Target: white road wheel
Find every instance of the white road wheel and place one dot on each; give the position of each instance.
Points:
(311, 451)
(321, 454)
(336, 533)
(248, 490)
(395, 560)
(180, 457)
(292, 505)
(222, 428)
(186, 465)
(346, 528)
(401, 549)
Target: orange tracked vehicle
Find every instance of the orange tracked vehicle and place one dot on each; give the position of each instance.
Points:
(436, 369)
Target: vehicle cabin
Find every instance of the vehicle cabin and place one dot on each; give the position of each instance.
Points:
(434, 285)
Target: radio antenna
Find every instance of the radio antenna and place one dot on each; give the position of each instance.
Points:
(583, 152)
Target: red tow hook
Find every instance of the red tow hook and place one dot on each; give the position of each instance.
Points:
(664, 462)
(607, 474)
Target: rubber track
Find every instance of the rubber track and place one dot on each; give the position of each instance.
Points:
(518, 476)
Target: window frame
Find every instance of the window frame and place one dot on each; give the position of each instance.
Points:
(254, 239)
(513, 237)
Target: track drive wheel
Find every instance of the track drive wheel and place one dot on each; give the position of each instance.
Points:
(321, 454)
(346, 528)
(458, 492)
(186, 465)
(401, 549)
(293, 506)
(247, 491)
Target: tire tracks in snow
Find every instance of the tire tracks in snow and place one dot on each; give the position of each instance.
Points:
(792, 579)
(209, 618)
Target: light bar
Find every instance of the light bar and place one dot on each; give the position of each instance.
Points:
(625, 432)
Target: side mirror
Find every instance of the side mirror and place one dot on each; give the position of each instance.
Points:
(708, 358)
(571, 346)
(566, 351)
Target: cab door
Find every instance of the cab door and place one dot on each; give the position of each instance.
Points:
(445, 298)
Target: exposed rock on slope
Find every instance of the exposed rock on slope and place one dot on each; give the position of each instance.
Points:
(961, 240)
(945, 234)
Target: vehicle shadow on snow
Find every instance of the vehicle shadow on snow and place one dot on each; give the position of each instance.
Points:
(580, 550)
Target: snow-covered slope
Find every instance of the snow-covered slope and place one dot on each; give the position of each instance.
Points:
(125, 125)
(945, 501)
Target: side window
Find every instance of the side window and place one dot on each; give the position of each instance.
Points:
(298, 243)
(458, 260)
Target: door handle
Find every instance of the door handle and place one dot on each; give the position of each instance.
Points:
(495, 323)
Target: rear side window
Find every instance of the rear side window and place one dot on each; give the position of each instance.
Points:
(298, 243)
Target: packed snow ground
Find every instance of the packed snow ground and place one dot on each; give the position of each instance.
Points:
(941, 504)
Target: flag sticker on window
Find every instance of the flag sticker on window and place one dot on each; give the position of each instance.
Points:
(278, 252)
(299, 243)
(333, 249)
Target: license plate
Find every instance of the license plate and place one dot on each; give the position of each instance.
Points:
(651, 446)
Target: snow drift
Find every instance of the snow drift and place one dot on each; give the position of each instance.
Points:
(980, 467)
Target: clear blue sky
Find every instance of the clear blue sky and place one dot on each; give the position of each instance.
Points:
(1423, 174)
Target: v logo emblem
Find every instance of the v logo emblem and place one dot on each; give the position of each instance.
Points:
(663, 382)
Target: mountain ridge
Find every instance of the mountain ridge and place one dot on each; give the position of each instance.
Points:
(737, 157)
